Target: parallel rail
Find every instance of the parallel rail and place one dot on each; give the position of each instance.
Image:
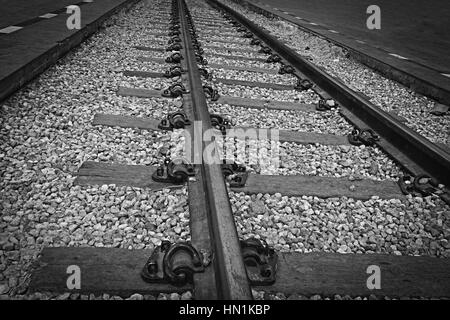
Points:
(415, 153)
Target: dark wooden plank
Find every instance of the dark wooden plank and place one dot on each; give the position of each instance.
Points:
(113, 120)
(238, 43)
(346, 274)
(231, 57)
(117, 271)
(222, 27)
(158, 34)
(152, 59)
(284, 135)
(216, 32)
(140, 92)
(142, 74)
(291, 136)
(143, 48)
(210, 24)
(322, 187)
(145, 123)
(312, 137)
(244, 50)
(268, 85)
(99, 173)
(160, 25)
(266, 104)
(240, 68)
(103, 270)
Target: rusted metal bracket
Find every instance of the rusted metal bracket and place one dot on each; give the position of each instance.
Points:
(273, 58)
(325, 105)
(174, 91)
(201, 60)
(174, 47)
(174, 58)
(232, 168)
(175, 120)
(175, 71)
(175, 39)
(174, 263)
(174, 33)
(285, 69)
(205, 73)
(213, 94)
(198, 49)
(304, 84)
(171, 171)
(423, 186)
(255, 42)
(265, 50)
(260, 261)
(221, 123)
(363, 137)
(235, 174)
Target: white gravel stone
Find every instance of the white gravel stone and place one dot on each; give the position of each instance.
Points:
(135, 296)
(354, 163)
(343, 225)
(186, 296)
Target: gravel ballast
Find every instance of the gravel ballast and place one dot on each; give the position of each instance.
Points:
(415, 226)
(47, 133)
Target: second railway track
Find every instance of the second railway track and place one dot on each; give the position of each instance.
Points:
(319, 201)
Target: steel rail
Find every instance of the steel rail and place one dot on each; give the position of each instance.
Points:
(229, 268)
(414, 152)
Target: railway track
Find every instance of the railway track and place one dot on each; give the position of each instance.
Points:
(312, 198)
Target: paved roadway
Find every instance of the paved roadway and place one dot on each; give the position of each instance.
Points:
(27, 51)
(416, 29)
(16, 11)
